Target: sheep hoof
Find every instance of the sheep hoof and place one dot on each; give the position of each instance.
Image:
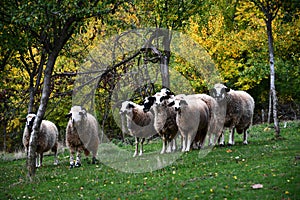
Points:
(71, 166)
(94, 160)
(77, 164)
(245, 143)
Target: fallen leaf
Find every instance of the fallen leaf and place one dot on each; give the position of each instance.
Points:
(257, 186)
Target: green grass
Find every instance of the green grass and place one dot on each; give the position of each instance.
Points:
(225, 173)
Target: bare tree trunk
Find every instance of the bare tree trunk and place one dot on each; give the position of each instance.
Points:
(164, 69)
(272, 75)
(262, 116)
(164, 61)
(270, 108)
(4, 135)
(31, 159)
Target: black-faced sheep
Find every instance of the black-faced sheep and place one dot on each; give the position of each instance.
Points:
(164, 121)
(139, 123)
(47, 138)
(239, 110)
(192, 119)
(81, 135)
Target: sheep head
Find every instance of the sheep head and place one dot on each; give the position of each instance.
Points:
(159, 98)
(219, 92)
(77, 114)
(30, 120)
(126, 107)
(148, 102)
(177, 103)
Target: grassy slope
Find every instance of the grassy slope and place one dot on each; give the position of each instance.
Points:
(225, 173)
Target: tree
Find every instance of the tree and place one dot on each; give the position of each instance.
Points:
(270, 9)
(170, 15)
(49, 26)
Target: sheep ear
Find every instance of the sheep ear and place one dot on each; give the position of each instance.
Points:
(83, 112)
(130, 105)
(171, 104)
(69, 115)
(183, 102)
(169, 92)
(213, 92)
(163, 98)
(152, 99)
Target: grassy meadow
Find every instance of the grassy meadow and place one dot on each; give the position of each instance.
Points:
(224, 173)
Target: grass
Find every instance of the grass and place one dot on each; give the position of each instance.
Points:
(224, 173)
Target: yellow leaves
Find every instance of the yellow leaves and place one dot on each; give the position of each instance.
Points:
(13, 125)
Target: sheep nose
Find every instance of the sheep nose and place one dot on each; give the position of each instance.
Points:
(145, 109)
(177, 108)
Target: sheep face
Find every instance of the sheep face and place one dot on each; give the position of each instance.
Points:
(126, 107)
(148, 102)
(158, 98)
(166, 92)
(29, 120)
(77, 114)
(219, 92)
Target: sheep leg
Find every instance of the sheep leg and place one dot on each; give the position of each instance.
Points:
(164, 145)
(38, 160)
(72, 153)
(54, 149)
(222, 139)
(231, 137)
(78, 158)
(210, 139)
(245, 137)
(183, 143)
(136, 146)
(189, 142)
(142, 148)
(174, 144)
(169, 147)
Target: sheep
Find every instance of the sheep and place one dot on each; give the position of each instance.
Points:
(239, 110)
(164, 121)
(81, 135)
(139, 123)
(191, 107)
(47, 138)
(215, 122)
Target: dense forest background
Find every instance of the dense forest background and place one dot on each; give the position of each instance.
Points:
(233, 32)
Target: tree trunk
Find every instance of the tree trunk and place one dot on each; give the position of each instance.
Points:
(164, 61)
(270, 108)
(272, 75)
(164, 69)
(31, 93)
(31, 159)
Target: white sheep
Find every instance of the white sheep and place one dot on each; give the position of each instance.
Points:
(81, 135)
(47, 138)
(139, 123)
(164, 121)
(239, 110)
(192, 119)
(215, 122)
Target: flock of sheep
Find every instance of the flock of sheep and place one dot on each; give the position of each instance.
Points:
(193, 117)
(81, 136)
